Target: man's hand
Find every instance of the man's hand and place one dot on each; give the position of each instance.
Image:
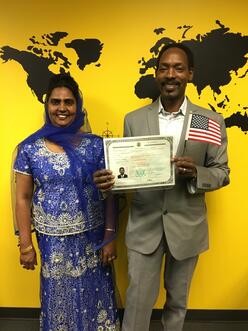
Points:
(185, 166)
(104, 179)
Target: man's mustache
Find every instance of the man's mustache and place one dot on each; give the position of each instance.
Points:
(170, 82)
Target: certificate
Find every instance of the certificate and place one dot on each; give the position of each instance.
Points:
(140, 162)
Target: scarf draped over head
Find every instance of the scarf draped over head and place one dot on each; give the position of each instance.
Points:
(67, 137)
(63, 136)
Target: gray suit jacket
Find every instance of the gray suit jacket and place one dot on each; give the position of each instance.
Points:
(177, 213)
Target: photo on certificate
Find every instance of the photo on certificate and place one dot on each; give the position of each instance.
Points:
(140, 162)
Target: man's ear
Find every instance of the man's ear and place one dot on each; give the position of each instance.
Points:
(191, 75)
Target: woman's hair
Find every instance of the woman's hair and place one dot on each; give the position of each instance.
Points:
(63, 80)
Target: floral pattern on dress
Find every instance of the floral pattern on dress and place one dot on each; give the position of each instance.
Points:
(56, 208)
(77, 290)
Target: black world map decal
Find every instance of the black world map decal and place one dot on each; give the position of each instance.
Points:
(218, 54)
(41, 55)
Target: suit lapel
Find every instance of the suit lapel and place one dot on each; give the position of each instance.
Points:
(153, 123)
(152, 118)
(181, 145)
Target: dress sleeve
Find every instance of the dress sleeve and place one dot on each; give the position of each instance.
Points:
(20, 164)
(100, 155)
(110, 202)
(22, 161)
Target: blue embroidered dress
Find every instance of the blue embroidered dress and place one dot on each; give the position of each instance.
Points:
(77, 291)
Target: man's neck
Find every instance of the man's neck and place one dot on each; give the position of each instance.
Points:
(172, 105)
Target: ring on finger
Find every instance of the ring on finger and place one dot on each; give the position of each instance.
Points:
(110, 258)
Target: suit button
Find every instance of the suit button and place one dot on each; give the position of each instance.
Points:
(165, 212)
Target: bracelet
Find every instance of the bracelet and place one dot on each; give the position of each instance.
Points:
(27, 249)
(109, 229)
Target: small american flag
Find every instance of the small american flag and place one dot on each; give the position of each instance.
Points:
(204, 129)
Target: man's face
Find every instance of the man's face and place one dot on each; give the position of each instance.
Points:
(173, 74)
(122, 171)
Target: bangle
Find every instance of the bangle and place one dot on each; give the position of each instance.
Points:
(109, 229)
(27, 249)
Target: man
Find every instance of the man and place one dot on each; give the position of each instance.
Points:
(171, 222)
(122, 173)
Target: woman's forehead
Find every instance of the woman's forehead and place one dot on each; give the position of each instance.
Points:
(61, 93)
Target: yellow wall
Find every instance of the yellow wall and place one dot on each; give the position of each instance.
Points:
(126, 29)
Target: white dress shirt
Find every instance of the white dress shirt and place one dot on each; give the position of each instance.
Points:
(171, 124)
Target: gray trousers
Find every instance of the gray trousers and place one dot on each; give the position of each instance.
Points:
(143, 289)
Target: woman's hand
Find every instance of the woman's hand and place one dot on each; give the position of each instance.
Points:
(104, 179)
(109, 253)
(28, 259)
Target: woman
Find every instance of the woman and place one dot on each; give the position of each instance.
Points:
(74, 227)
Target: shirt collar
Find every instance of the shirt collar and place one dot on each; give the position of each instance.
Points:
(182, 109)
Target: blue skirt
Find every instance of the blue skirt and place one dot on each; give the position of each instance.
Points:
(77, 291)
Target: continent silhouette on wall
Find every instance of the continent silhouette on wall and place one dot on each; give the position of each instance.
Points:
(217, 53)
(41, 54)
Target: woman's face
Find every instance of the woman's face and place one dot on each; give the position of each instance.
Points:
(62, 107)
